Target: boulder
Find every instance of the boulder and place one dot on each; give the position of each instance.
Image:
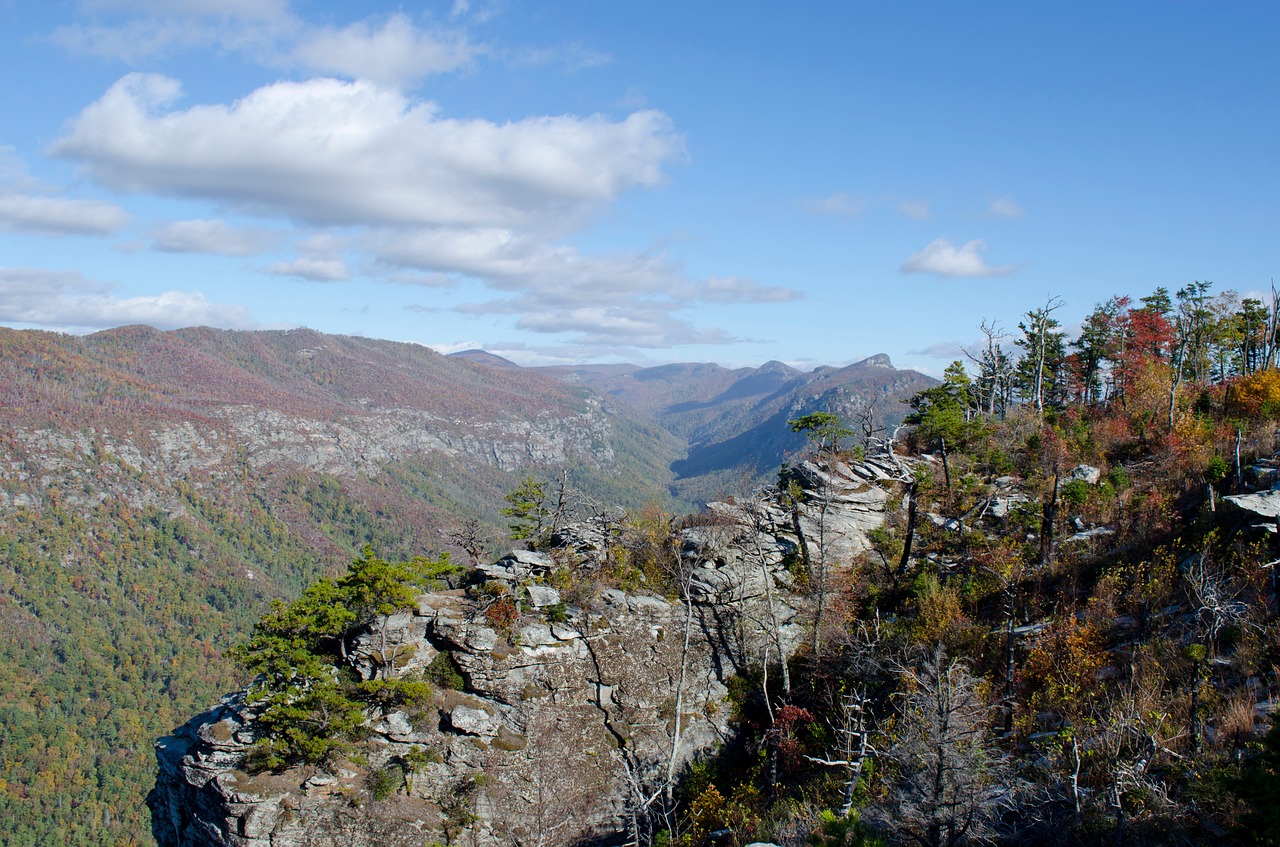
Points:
(541, 596)
(1264, 505)
(1088, 473)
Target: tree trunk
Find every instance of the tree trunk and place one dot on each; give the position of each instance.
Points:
(676, 729)
(1010, 609)
(910, 533)
(946, 468)
(795, 527)
(1050, 514)
(1239, 471)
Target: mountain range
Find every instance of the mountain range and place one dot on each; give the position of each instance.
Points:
(159, 489)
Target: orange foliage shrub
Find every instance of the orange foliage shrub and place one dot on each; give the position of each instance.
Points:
(1190, 446)
(1146, 403)
(1257, 395)
(1062, 669)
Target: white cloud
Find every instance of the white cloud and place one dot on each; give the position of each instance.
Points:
(213, 237)
(949, 350)
(422, 280)
(27, 206)
(1004, 207)
(917, 209)
(58, 216)
(616, 299)
(514, 261)
(943, 258)
(245, 9)
(314, 268)
(396, 54)
(736, 289)
(67, 299)
(146, 28)
(574, 57)
(353, 153)
(635, 325)
(841, 204)
(134, 41)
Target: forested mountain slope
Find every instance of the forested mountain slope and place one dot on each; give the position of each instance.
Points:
(157, 489)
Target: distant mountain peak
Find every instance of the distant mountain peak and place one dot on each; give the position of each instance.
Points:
(879, 360)
(773, 366)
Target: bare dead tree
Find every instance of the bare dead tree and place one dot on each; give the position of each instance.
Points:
(548, 791)
(759, 525)
(864, 416)
(563, 494)
(995, 371)
(853, 745)
(1272, 339)
(470, 536)
(952, 783)
(1216, 609)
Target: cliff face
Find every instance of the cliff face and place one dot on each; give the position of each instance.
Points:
(553, 722)
(560, 727)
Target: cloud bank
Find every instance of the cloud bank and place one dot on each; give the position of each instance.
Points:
(64, 299)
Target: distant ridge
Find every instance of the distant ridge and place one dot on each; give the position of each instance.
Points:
(484, 357)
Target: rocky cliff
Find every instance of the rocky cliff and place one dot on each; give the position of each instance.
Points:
(560, 726)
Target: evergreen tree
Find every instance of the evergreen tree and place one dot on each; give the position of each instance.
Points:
(1039, 371)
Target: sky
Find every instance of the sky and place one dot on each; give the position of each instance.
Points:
(574, 181)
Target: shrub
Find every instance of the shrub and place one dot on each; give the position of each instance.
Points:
(384, 782)
(1257, 396)
(1075, 492)
(445, 673)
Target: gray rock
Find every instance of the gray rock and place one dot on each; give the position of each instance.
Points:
(1088, 473)
(1262, 504)
(474, 721)
(1001, 507)
(541, 596)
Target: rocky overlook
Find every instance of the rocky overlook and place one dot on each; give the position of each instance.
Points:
(561, 724)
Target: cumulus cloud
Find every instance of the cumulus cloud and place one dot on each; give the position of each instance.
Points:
(943, 258)
(66, 299)
(58, 216)
(1004, 207)
(326, 151)
(395, 54)
(313, 268)
(213, 237)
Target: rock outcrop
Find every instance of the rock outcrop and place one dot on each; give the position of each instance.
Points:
(557, 724)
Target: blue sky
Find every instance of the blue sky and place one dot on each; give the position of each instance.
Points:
(583, 181)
